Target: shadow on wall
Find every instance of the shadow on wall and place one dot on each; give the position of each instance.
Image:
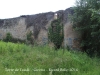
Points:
(73, 43)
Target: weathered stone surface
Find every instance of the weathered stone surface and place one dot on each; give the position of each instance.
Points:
(39, 21)
(38, 24)
(71, 37)
(15, 26)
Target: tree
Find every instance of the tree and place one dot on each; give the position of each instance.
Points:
(56, 34)
(86, 19)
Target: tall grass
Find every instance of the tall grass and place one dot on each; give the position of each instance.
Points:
(20, 59)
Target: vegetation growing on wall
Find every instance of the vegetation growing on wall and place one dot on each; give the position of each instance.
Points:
(9, 38)
(86, 19)
(55, 33)
(30, 38)
(38, 21)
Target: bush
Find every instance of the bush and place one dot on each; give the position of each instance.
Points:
(8, 37)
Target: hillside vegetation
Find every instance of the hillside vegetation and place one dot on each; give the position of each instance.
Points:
(20, 59)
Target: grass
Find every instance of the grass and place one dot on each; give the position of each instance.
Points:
(20, 59)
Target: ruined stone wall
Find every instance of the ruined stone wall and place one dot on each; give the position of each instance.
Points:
(15, 26)
(71, 37)
(38, 24)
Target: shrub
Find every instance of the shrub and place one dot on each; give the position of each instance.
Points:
(8, 37)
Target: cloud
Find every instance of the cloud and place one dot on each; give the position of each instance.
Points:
(14, 8)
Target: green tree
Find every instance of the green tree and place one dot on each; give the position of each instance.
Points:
(86, 19)
(56, 34)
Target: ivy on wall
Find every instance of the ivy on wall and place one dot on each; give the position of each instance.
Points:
(55, 33)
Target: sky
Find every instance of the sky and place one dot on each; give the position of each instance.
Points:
(15, 8)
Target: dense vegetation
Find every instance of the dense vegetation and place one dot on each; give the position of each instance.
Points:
(19, 59)
(86, 19)
(56, 34)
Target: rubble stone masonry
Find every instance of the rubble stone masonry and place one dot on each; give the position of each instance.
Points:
(38, 24)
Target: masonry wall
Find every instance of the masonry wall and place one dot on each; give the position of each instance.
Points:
(71, 37)
(38, 24)
(15, 26)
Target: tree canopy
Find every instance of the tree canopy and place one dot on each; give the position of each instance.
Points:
(86, 19)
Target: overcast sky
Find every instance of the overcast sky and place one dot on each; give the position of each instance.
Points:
(15, 8)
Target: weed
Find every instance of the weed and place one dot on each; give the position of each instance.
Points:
(27, 60)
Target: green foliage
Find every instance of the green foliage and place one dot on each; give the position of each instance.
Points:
(86, 19)
(30, 38)
(8, 37)
(20, 56)
(56, 34)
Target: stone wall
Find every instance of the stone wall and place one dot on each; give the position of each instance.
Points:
(15, 26)
(38, 24)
